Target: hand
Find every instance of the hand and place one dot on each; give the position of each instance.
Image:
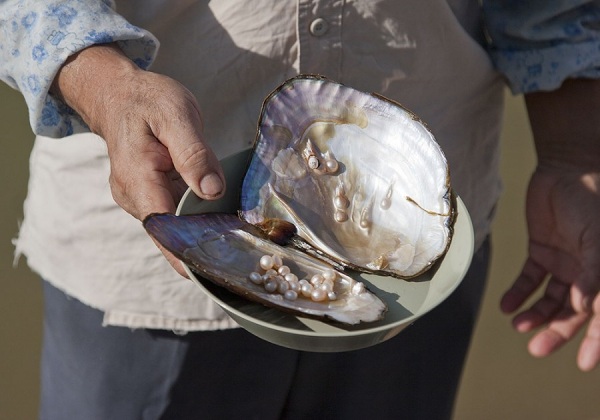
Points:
(152, 128)
(562, 211)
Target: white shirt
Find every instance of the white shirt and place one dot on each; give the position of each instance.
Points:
(429, 56)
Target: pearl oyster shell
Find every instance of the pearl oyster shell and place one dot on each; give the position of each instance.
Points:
(361, 178)
(362, 181)
(225, 250)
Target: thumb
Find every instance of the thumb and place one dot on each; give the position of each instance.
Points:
(200, 169)
(191, 156)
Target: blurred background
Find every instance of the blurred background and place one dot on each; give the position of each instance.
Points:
(501, 380)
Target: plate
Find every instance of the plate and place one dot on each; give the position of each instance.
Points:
(406, 300)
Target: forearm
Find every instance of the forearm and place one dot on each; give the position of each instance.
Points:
(90, 80)
(566, 126)
(36, 38)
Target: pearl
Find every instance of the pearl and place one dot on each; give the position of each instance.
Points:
(327, 287)
(291, 277)
(277, 261)
(271, 285)
(283, 270)
(266, 262)
(340, 216)
(294, 285)
(365, 223)
(331, 295)
(282, 286)
(256, 278)
(290, 295)
(316, 279)
(332, 165)
(313, 162)
(385, 203)
(318, 295)
(329, 274)
(341, 202)
(306, 289)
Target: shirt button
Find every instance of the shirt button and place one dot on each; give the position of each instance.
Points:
(318, 27)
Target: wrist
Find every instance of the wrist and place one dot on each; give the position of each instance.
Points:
(565, 125)
(90, 80)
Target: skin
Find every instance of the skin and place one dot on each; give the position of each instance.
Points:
(153, 131)
(152, 128)
(562, 212)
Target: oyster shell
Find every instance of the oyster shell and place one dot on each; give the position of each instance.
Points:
(361, 177)
(228, 251)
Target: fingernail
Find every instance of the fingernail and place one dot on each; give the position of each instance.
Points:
(211, 185)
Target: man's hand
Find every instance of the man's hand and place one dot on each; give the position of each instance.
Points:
(152, 128)
(563, 211)
(563, 218)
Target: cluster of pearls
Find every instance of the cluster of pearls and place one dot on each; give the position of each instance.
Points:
(276, 277)
(341, 203)
(320, 164)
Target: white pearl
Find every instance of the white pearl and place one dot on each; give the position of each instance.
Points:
(329, 274)
(282, 286)
(385, 203)
(316, 279)
(283, 270)
(331, 296)
(291, 277)
(313, 162)
(327, 287)
(306, 290)
(266, 262)
(277, 261)
(332, 165)
(318, 295)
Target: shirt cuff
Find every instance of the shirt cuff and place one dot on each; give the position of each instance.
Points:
(538, 44)
(38, 37)
(546, 69)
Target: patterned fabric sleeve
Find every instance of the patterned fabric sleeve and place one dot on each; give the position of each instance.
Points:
(537, 44)
(36, 37)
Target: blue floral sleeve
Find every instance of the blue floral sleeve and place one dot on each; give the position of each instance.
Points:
(36, 37)
(537, 44)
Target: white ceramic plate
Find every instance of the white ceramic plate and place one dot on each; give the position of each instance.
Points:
(406, 300)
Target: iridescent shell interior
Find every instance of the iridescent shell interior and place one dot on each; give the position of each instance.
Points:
(361, 177)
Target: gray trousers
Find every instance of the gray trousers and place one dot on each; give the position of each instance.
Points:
(92, 372)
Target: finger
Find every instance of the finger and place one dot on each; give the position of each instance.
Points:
(589, 351)
(555, 299)
(141, 168)
(565, 326)
(191, 157)
(586, 288)
(531, 277)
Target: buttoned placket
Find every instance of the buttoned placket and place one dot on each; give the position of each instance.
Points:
(320, 37)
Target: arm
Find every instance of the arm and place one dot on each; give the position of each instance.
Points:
(563, 204)
(37, 37)
(79, 65)
(549, 51)
(152, 128)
